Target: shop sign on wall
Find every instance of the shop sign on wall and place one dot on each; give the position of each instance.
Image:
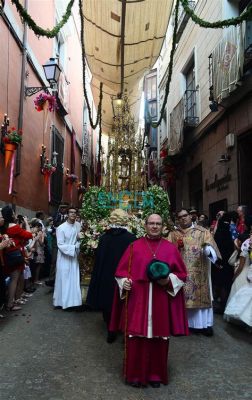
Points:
(219, 183)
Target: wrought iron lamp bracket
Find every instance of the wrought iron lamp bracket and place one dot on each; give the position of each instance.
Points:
(30, 91)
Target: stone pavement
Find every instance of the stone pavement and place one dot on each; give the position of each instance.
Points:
(48, 354)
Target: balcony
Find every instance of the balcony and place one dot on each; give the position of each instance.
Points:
(190, 107)
(248, 47)
(183, 19)
(230, 64)
(183, 118)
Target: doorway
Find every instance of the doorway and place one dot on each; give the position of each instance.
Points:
(244, 170)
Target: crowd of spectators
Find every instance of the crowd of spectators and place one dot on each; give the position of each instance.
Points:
(28, 252)
(232, 279)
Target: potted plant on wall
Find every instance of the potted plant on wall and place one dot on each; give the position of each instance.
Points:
(11, 140)
(45, 101)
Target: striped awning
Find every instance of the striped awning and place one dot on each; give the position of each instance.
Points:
(123, 39)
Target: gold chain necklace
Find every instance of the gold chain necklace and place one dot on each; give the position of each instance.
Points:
(151, 250)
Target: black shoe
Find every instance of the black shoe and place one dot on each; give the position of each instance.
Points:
(135, 384)
(111, 337)
(30, 290)
(195, 331)
(82, 308)
(154, 384)
(50, 283)
(207, 331)
(219, 311)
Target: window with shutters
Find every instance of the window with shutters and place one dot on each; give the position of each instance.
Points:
(57, 176)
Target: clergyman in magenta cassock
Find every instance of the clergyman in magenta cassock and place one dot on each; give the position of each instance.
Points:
(152, 312)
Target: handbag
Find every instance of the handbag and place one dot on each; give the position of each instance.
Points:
(157, 270)
(233, 258)
(13, 258)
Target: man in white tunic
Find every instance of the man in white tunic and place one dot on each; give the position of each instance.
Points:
(67, 292)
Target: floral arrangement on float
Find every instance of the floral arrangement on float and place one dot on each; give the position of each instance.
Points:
(160, 204)
(92, 230)
(95, 214)
(45, 101)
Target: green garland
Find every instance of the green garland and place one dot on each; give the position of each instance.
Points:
(170, 67)
(247, 15)
(99, 108)
(37, 29)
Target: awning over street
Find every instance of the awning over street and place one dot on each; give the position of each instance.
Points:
(123, 39)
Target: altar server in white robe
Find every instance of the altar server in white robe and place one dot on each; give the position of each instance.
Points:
(67, 292)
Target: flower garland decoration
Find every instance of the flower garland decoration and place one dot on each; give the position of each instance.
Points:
(71, 178)
(11, 140)
(37, 29)
(47, 171)
(44, 99)
(13, 136)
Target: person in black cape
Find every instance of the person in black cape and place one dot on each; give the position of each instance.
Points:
(223, 278)
(111, 247)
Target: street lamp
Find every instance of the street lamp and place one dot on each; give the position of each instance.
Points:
(117, 105)
(52, 72)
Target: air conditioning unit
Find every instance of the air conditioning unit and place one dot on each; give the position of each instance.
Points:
(230, 140)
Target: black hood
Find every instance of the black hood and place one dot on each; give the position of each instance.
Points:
(116, 231)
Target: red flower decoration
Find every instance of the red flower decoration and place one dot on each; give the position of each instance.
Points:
(180, 244)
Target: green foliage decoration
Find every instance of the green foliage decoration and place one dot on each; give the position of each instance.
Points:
(160, 204)
(93, 124)
(247, 15)
(37, 29)
(95, 206)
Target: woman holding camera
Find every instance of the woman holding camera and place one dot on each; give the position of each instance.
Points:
(13, 256)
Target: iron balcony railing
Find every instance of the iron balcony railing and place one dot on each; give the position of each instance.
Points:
(190, 107)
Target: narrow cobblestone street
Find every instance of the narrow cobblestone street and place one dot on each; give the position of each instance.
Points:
(49, 354)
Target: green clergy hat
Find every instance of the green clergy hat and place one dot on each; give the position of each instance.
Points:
(157, 270)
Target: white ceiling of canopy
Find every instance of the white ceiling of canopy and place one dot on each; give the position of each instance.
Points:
(145, 27)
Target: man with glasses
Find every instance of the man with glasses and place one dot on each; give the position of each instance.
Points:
(67, 292)
(153, 309)
(198, 250)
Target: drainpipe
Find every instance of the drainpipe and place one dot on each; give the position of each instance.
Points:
(22, 89)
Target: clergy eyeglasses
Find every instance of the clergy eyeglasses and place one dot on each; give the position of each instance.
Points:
(182, 216)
